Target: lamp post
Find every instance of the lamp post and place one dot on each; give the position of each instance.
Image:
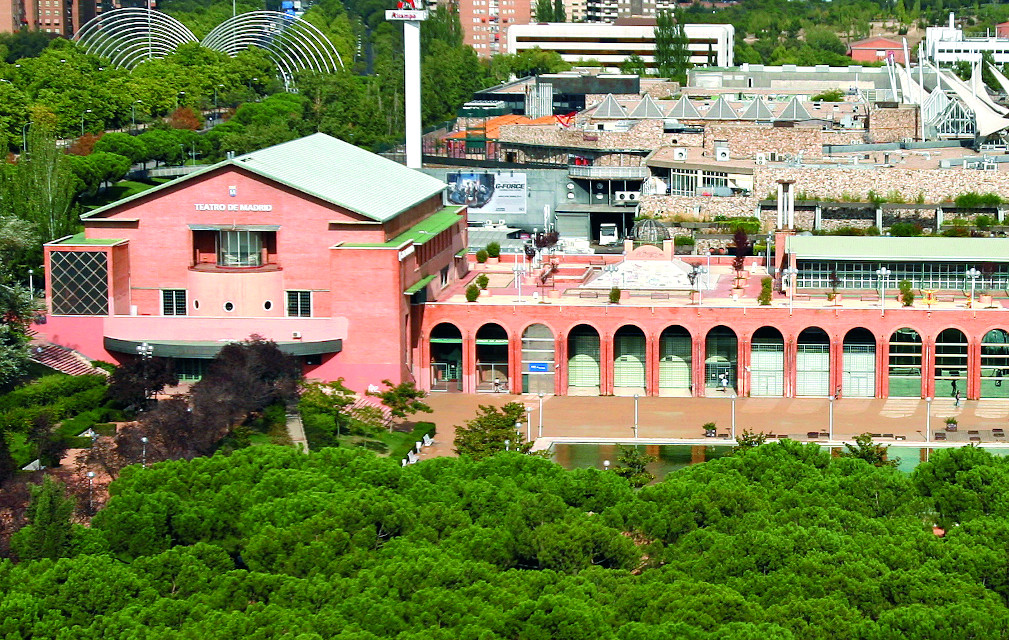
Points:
(91, 501)
(145, 351)
(182, 147)
(606, 465)
(697, 271)
(830, 423)
(541, 415)
(31, 281)
(82, 121)
(519, 270)
(733, 423)
(790, 273)
(133, 114)
(928, 418)
(518, 430)
(143, 452)
(635, 416)
(508, 444)
(882, 273)
(973, 274)
(181, 93)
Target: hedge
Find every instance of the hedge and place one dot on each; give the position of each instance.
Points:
(417, 435)
(49, 389)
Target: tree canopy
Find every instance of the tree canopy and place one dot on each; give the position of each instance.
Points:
(776, 541)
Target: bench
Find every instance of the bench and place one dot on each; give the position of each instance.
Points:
(940, 436)
(638, 294)
(944, 298)
(656, 295)
(869, 297)
(800, 296)
(588, 294)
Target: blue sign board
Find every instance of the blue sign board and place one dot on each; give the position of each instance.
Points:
(539, 367)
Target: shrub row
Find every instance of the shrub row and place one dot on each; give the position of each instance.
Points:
(48, 390)
(19, 419)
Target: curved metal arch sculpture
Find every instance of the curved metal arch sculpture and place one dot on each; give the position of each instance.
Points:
(291, 43)
(128, 37)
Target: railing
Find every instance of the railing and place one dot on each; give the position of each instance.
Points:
(594, 172)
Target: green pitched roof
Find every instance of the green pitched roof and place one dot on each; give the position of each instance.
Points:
(331, 170)
(420, 233)
(79, 239)
(890, 249)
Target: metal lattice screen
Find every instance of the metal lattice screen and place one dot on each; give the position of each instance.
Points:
(80, 283)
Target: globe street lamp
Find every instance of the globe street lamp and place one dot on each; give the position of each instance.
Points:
(790, 274)
(91, 502)
(973, 274)
(882, 273)
(541, 414)
(606, 465)
(143, 452)
(733, 416)
(82, 121)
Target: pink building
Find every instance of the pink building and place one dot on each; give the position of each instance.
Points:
(876, 49)
(315, 244)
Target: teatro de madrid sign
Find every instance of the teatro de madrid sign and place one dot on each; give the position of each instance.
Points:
(233, 207)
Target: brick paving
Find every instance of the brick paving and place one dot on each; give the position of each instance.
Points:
(660, 419)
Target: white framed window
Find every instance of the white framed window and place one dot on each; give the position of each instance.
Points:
(299, 304)
(173, 302)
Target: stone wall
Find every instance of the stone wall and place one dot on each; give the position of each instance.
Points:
(746, 139)
(893, 124)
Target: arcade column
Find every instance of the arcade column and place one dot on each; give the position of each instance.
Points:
(651, 364)
(606, 364)
(974, 369)
(515, 364)
(469, 363)
(791, 356)
(560, 365)
(883, 366)
(697, 364)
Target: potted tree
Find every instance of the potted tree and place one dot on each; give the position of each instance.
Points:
(951, 424)
(493, 252)
(740, 247)
(984, 298)
(835, 282)
(709, 429)
(906, 294)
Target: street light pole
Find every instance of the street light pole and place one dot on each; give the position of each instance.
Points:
(790, 273)
(541, 415)
(973, 274)
(882, 273)
(143, 452)
(133, 113)
(635, 416)
(928, 418)
(91, 501)
(733, 416)
(82, 121)
(31, 281)
(830, 424)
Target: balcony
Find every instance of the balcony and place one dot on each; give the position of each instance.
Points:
(594, 172)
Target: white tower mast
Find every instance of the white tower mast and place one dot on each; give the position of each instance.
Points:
(411, 19)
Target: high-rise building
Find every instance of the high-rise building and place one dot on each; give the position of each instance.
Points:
(59, 17)
(485, 22)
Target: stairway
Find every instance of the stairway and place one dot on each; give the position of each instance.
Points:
(63, 359)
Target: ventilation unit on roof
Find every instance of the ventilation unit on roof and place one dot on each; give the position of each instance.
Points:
(679, 153)
(722, 154)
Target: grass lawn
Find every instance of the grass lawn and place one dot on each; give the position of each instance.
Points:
(120, 190)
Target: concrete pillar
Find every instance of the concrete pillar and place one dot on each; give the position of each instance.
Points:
(938, 219)
(973, 369)
(605, 364)
(927, 366)
(1000, 215)
(422, 364)
(790, 363)
(468, 363)
(560, 365)
(780, 206)
(697, 364)
(411, 75)
(883, 366)
(791, 205)
(836, 365)
(669, 249)
(651, 364)
(628, 245)
(879, 219)
(743, 366)
(818, 217)
(515, 364)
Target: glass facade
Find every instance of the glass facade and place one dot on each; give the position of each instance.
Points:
(905, 364)
(239, 249)
(815, 274)
(80, 283)
(682, 182)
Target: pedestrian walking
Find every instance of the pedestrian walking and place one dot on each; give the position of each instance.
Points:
(956, 397)
(953, 389)
(723, 380)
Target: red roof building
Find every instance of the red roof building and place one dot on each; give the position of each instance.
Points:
(876, 49)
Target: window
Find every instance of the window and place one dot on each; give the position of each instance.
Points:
(299, 304)
(444, 277)
(173, 302)
(239, 249)
(80, 283)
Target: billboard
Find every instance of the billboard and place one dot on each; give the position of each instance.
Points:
(488, 193)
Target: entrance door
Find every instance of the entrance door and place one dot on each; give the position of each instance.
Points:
(767, 369)
(859, 379)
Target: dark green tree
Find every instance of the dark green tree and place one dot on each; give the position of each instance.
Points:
(50, 532)
(402, 399)
(487, 433)
(865, 449)
(635, 65)
(632, 465)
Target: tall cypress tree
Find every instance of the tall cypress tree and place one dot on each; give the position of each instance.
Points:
(680, 51)
(559, 14)
(664, 35)
(544, 11)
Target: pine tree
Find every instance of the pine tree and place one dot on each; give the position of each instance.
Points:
(49, 533)
(559, 14)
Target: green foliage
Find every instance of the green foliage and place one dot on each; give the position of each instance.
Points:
(482, 281)
(325, 407)
(865, 449)
(905, 229)
(683, 241)
(634, 65)
(472, 293)
(766, 284)
(49, 533)
(906, 293)
(971, 200)
(749, 224)
(492, 431)
(749, 440)
(493, 250)
(672, 57)
(984, 222)
(615, 295)
(420, 430)
(830, 95)
(402, 399)
(631, 465)
(481, 256)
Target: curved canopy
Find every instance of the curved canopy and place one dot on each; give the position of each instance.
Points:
(128, 37)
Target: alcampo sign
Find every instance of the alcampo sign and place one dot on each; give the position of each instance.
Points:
(233, 207)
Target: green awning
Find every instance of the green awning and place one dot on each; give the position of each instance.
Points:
(445, 340)
(420, 285)
(492, 341)
(462, 253)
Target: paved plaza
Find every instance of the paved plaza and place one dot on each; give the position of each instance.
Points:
(899, 421)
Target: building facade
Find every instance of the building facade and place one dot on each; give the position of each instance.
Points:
(611, 44)
(485, 23)
(308, 255)
(876, 49)
(951, 44)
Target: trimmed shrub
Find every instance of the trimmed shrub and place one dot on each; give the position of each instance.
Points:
(493, 250)
(472, 293)
(683, 241)
(481, 256)
(615, 295)
(765, 291)
(906, 294)
(905, 229)
(417, 435)
(482, 281)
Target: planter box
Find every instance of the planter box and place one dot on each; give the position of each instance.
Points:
(984, 301)
(493, 260)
